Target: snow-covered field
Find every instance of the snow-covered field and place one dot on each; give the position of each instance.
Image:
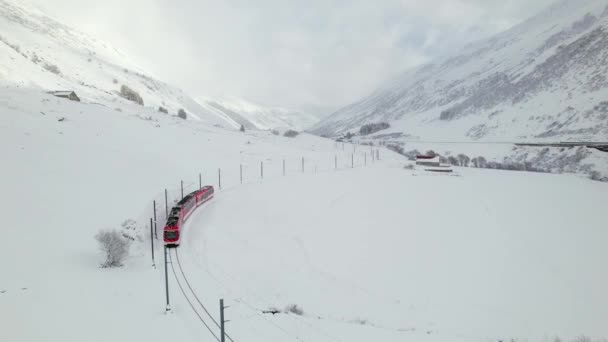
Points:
(371, 253)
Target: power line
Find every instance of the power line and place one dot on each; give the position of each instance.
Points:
(188, 300)
(195, 296)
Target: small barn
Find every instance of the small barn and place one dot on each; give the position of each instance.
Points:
(431, 163)
(425, 160)
(66, 94)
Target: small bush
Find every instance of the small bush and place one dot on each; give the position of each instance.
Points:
(242, 129)
(131, 95)
(291, 133)
(114, 246)
(35, 58)
(294, 309)
(373, 128)
(395, 148)
(182, 114)
(411, 155)
(52, 68)
(447, 115)
(163, 110)
(275, 132)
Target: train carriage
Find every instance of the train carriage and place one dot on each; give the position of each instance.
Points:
(181, 212)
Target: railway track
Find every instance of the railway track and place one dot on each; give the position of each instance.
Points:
(197, 306)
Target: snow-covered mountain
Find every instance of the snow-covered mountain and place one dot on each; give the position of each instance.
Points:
(545, 78)
(252, 115)
(39, 52)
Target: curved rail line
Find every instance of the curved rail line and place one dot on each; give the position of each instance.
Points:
(194, 293)
(188, 299)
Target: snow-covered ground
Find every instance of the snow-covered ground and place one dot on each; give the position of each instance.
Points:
(371, 253)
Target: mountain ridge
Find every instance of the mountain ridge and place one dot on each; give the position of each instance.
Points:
(550, 65)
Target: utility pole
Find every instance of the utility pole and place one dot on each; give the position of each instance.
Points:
(168, 307)
(166, 205)
(152, 243)
(262, 169)
(155, 232)
(222, 322)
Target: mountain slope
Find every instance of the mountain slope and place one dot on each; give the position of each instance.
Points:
(253, 115)
(543, 79)
(38, 52)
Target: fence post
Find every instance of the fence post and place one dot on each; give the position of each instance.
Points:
(200, 182)
(365, 154)
(262, 169)
(352, 160)
(336, 162)
(302, 164)
(219, 178)
(152, 243)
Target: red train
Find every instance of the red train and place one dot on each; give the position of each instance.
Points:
(180, 213)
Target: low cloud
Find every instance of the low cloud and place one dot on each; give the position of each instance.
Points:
(311, 55)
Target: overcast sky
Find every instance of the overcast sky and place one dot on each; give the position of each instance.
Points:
(308, 55)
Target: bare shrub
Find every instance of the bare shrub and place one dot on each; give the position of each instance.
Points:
(409, 166)
(163, 110)
(52, 68)
(290, 133)
(395, 148)
(411, 155)
(131, 95)
(242, 129)
(114, 246)
(294, 309)
(373, 128)
(35, 58)
(452, 160)
(464, 160)
(182, 114)
(597, 176)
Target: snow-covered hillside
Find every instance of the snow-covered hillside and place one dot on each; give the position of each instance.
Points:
(38, 52)
(373, 252)
(544, 79)
(253, 115)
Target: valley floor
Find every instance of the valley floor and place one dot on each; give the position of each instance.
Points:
(371, 253)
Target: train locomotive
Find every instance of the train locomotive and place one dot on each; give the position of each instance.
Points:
(180, 213)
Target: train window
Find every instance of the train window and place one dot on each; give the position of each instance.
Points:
(170, 235)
